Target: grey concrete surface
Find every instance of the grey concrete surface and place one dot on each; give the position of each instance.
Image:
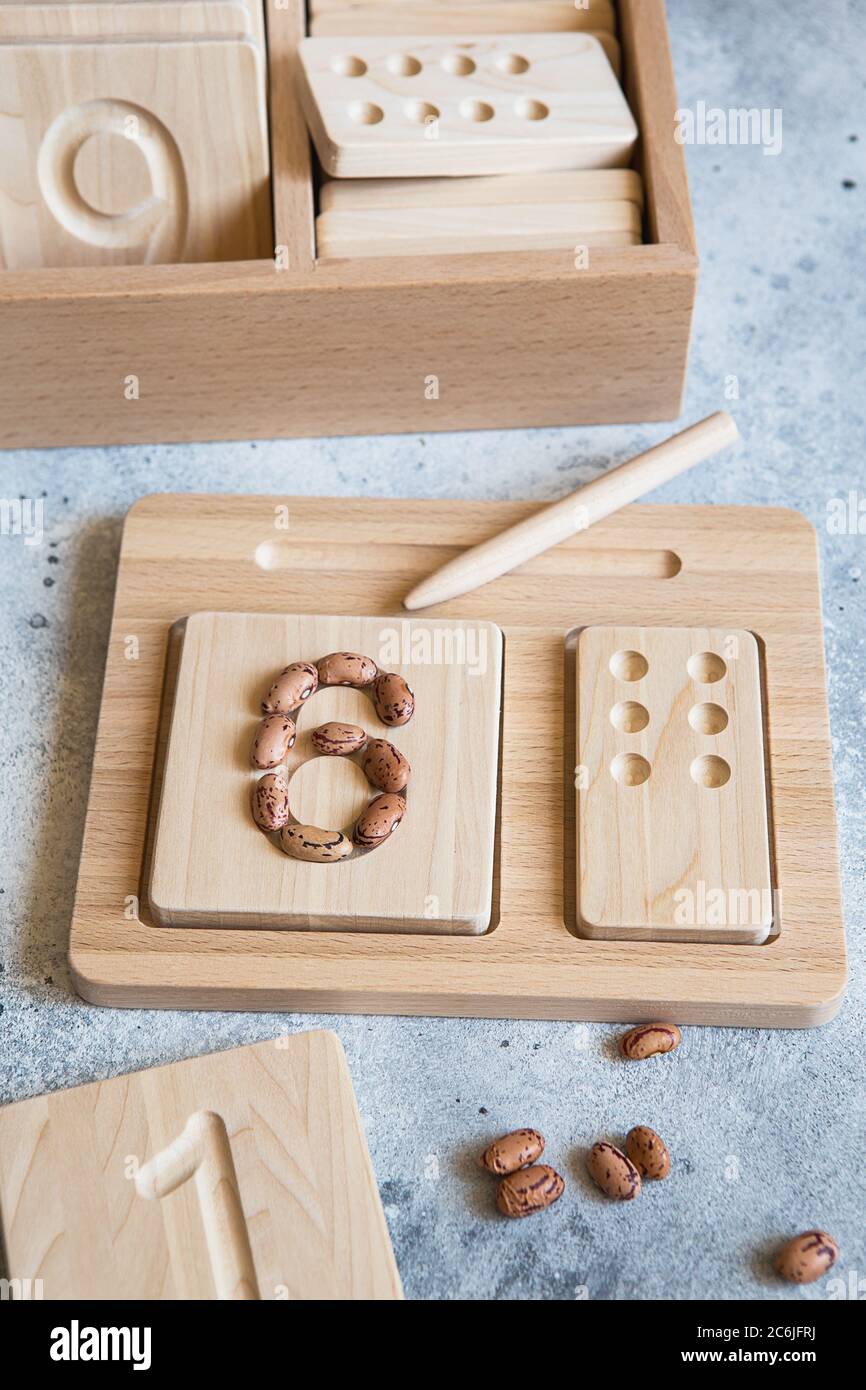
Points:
(766, 1128)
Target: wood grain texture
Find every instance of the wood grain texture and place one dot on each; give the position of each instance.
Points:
(195, 109)
(76, 1212)
(753, 568)
(480, 104)
(651, 92)
(620, 329)
(110, 171)
(147, 18)
(434, 231)
(564, 209)
(123, 18)
(673, 842)
(560, 187)
(280, 363)
(213, 867)
(353, 17)
(291, 162)
(493, 18)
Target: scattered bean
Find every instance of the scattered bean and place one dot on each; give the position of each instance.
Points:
(394, 701)
(318, 846)
(338, 740)
(385, 766)
(613, 1172)
(271, 801)
(293, 685)
(379, 820)
(513, 1151)
(650, 1038)
(274, 737)
(529, 1190)
(648, 1152)
(805, 1258)
(347, 668)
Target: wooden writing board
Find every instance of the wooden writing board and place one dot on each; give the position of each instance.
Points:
(212, 866)
(195, 111)
(243, 1175)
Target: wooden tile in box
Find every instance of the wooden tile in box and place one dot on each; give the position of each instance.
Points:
(100, 20)
(194, 109)
(478, 104)
(349, 17)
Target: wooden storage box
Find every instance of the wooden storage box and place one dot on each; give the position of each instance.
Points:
(299, 347)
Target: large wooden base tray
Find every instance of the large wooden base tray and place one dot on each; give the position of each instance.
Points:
(753, 568)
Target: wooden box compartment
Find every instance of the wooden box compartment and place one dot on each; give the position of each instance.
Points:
(297, 346)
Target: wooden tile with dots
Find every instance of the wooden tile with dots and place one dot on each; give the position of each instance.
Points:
(446, 104)
(673, 839)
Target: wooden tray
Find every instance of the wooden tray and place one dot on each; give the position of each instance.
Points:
(752, 568)
(240, 1175)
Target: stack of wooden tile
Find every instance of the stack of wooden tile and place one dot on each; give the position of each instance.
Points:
(505, 212)
(133, 133)
(528, 131)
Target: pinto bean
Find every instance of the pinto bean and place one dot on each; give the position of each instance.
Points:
(385, 766)
(274, 737)
(294, 685)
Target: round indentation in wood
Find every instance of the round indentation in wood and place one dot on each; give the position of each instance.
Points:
(706, 668)
(514, 63)
(629, 716)
(348, 65)
(707, 718)
(328, 791)
(630, 769)
(472, 110)
(111, 173)
(420, 112)
(628, 666)
(403, 65)
(458, 64)
(710, 771)
(366, 113)
(531, 110)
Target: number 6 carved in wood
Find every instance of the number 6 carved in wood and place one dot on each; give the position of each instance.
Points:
(203, 1151)
(158, 223)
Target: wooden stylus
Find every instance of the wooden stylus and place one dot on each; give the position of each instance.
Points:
(576, 512)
